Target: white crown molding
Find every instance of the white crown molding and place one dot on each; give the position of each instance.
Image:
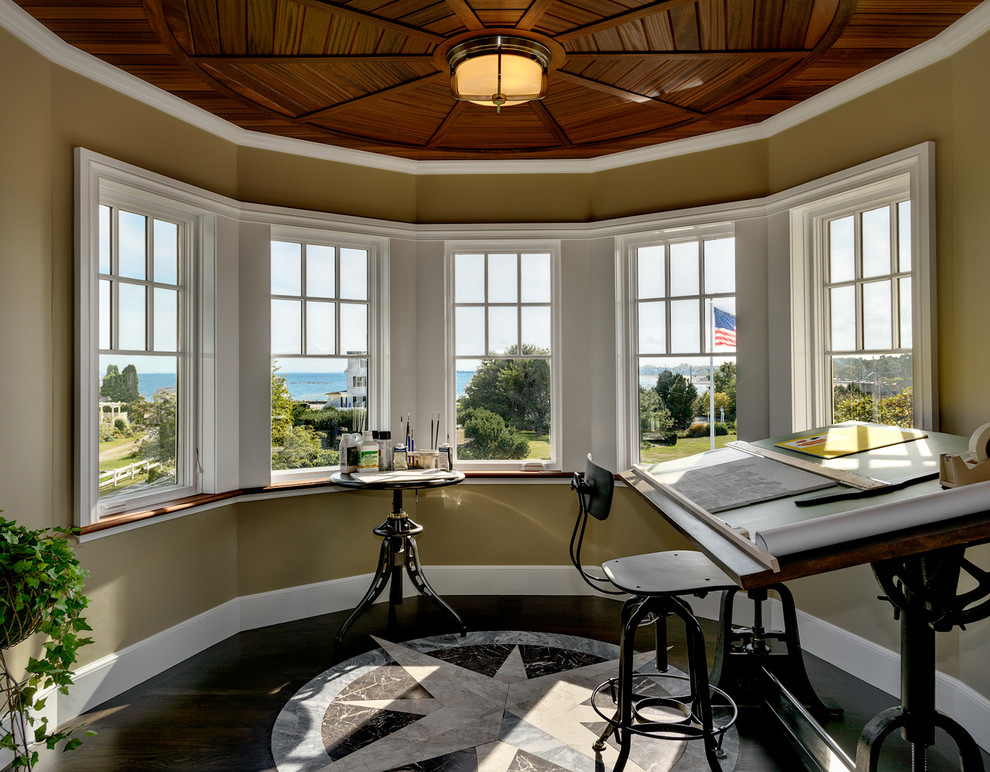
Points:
(967, 29)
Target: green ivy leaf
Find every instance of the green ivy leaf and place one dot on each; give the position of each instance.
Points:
(41, 591)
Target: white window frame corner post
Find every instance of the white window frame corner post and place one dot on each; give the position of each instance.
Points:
(87, 196)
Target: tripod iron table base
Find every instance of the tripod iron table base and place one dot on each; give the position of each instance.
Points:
(398, 554)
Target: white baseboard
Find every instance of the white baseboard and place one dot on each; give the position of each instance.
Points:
(111, 675)
(116, 673)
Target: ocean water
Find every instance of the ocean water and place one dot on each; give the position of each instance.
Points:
(149, 383)
(312, 387)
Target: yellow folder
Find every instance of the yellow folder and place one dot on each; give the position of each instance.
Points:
(844, 440)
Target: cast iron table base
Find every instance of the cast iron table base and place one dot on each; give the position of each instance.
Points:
(398, 553)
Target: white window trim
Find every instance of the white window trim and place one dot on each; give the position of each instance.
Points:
(911, 172)
(557, 423)
(627, 439)
(312, 231)
(227, 465)
(98, 177)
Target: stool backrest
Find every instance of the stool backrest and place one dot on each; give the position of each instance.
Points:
(594, 492)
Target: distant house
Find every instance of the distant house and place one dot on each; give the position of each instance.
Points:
(356, 393)
(338, 399)
(357, 382)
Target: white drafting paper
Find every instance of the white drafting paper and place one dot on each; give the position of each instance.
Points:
(877, 520)
(736, 483)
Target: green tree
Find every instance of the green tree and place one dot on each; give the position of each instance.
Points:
(851, 404)
(137, 410)
(722, 402)
(518, 390)
(302, 448)
(664, 381)
(162, 417)
(680, 401)
(110, 385)
(301, 437)
(654, 417)
(527, 387)
(129, 383)
(120, 386)
(281, 408)
(725, 383)
(490, 438)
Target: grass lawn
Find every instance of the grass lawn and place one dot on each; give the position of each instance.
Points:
(539, 445)
(684, 447)
(120, 452)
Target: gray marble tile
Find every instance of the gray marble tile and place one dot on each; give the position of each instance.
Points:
(488, 702)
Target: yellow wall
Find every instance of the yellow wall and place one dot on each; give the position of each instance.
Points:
(26, 295)
(328, 536)
(151, 578)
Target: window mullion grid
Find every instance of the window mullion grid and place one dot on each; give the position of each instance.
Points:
(336, 299)
(702, 302)
(895, 294)
(858, 278)
(487, 307)
(149, 275)
(666, 299)
(303, 330)
(519, 304)
(114, 278)
(188, 354)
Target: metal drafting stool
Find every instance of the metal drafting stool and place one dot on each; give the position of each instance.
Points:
(656, 583)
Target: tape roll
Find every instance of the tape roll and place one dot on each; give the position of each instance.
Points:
(979, 443)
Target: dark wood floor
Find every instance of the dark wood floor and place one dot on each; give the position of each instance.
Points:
(215, 711)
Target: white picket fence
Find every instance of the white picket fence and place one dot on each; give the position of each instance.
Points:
(113, 477)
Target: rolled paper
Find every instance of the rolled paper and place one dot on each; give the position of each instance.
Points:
(867, 522)
(979, 443)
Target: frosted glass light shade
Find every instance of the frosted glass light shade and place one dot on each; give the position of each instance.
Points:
(498, 70)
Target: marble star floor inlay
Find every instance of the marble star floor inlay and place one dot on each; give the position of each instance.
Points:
(487, 702)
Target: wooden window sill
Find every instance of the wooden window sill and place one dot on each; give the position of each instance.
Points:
(179, 505)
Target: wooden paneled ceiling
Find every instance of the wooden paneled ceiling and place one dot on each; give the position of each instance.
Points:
(371, 74)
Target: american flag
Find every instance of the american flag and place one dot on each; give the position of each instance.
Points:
(725, 328)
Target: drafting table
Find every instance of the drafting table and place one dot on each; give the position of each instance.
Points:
(917, 567)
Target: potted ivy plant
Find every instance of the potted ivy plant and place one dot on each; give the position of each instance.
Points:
(41, 591)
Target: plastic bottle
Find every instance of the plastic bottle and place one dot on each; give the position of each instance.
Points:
(368, 459)
(399, 460)
(347, 459)
(384, 440)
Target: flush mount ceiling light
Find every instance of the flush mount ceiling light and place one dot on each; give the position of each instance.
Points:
(498, 70)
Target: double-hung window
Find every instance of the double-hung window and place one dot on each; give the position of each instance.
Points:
(140, 264)
(862, 295)
(683, 335)
(868, 305)
(503, 328)
(326, 366)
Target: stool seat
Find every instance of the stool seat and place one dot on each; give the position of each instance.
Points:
(655, 585)
(675, 572)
